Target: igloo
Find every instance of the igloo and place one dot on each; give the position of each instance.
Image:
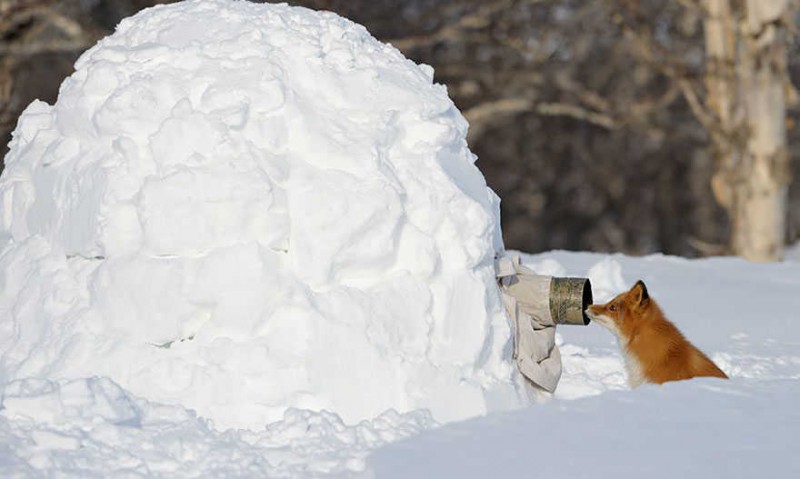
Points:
(243, 208)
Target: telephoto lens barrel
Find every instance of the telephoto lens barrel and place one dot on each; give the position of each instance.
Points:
(569, 298)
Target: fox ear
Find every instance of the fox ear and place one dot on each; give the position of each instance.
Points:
(639, 293)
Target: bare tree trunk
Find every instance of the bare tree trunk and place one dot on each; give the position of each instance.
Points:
(746, 77)
(760, 208)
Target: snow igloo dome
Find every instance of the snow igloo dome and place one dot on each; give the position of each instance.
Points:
(243, 208)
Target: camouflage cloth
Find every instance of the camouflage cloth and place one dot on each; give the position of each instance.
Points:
(526, 299)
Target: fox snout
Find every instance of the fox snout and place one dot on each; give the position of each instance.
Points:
(630, 304)
(594, 309)
(599, 313)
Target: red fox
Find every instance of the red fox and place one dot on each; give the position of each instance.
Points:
(654, 349)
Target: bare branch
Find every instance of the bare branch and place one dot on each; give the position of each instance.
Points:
(706, 248)
(694, 5)
(490, 109)
(35, 48)
(77, 37)
(664, 62)
(578, 113)
(588, 97)
(645, 107)
(68, 26)
(481, 115)
(471, 21)
(706, 119)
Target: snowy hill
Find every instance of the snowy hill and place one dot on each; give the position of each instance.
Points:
(744, 315)
(241, 208)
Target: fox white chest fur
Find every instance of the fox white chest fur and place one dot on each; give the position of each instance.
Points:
(632, 366)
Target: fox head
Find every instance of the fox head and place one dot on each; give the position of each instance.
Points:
(622, 313)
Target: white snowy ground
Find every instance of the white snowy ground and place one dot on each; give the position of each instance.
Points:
(744, 315)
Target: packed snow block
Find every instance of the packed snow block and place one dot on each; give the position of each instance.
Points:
(242, 208)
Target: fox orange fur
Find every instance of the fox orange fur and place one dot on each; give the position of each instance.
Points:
(654, 349)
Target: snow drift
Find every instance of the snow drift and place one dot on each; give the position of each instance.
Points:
(745, 427)
(244, 208)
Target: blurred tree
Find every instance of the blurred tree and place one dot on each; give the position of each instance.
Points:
(746, 45)
(589, 143)
(584, 115)
(741, 103)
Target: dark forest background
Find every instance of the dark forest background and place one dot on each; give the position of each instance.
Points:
(589, 143)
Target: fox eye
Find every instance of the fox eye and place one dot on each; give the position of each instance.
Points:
(613, 307)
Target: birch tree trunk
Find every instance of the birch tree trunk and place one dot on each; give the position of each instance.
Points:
(746, 53)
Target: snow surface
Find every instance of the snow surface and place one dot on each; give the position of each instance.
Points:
(744, 315)
(242, 208)
(94, 428)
